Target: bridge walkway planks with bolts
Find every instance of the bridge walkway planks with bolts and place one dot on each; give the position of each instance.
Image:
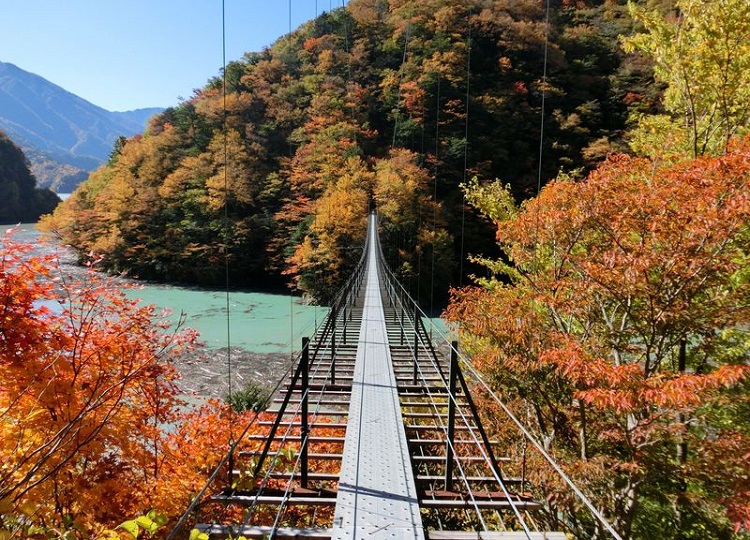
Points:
(377, 492)
(402, 446)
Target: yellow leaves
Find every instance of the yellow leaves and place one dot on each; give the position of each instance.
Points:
(339, 220)
(398, 184)
(702, 56)
(492, 199)
(195, 534)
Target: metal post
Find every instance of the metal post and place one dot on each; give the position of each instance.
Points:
(334, 314)
(277, 420)
(304, 427)
(402, 319)
(451, 416)
(345, 321)
(475, 414)
(416, 344)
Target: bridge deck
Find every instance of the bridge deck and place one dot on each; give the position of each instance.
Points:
(359, 470)
(377, 497)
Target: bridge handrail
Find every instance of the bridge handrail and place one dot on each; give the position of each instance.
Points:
(466, 363)
(423, 340)
(324, 332)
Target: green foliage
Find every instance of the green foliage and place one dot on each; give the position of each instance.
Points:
(493, 200)
(253, 397)
(701, 51)
(195, 534)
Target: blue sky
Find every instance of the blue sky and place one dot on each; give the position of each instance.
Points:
(129, 54)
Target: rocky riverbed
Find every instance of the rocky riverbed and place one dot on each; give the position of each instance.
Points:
(205, 372)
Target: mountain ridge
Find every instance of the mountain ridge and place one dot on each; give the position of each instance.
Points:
(58, 129)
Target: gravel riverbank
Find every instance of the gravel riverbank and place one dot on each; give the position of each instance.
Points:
(205, 373)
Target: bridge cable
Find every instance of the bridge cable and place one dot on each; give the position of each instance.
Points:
(225, 459)
(407, 36)
(466, 146)
(484, 454)
(227, 306)
(602, 520)
(544, 96)
(582, 497)
(233, 442)
(536, 444)
(317, 407)
(482, 451)
(434, 197)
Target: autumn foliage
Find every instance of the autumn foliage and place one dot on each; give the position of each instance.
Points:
(251, 177)
(617, 322)
(94, 431)
(91, 432)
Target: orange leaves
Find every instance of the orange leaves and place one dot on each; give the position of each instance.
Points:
(624, 295)
(86, 383)
(413, 97)
(624, 389)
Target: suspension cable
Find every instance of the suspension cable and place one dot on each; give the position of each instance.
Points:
(232, 450)
(473, 434)
(466, 146)
(407, 36)
(544, 96)
(434, 196)
(227, 305)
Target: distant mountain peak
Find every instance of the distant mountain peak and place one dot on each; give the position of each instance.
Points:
(59, 126)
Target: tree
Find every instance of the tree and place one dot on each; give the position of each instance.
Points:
(618, 318)
(701, 51)
(87, 384)
(20, 199)
(333, 244)
(413, 230)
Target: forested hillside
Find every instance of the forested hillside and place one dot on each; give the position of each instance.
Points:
(20, 199)
(616, 319)
(393, 102)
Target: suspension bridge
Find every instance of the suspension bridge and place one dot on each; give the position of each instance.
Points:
(375, 433)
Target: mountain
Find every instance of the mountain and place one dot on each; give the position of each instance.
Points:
(63, 135)
(20, 199)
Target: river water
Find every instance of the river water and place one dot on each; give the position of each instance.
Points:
(262, 330)
(261, 322)
(256, 338)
